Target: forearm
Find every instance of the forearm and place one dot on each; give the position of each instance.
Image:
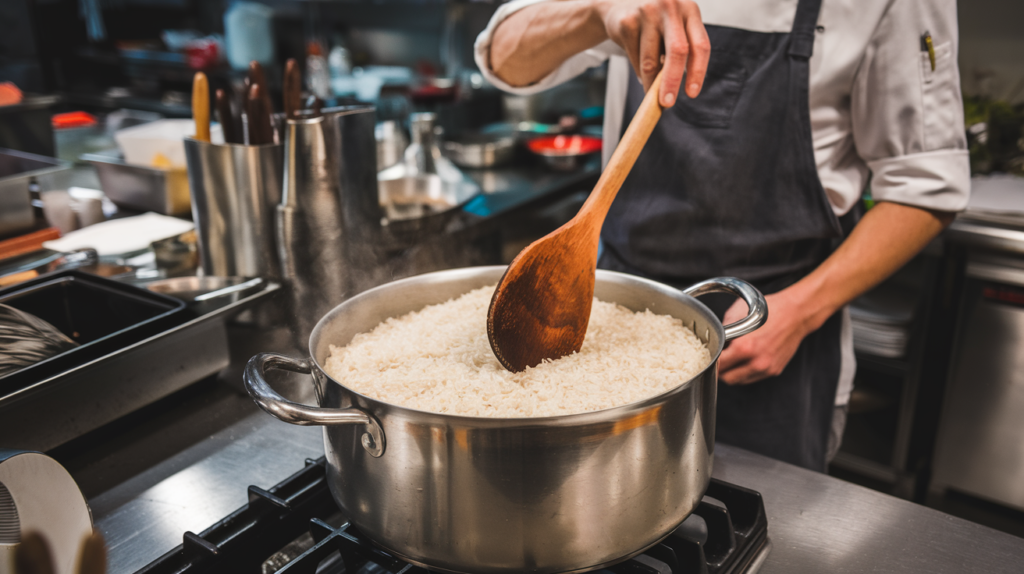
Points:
(534, 41)
(888, 236)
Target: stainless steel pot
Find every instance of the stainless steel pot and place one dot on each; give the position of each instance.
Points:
(486, 495)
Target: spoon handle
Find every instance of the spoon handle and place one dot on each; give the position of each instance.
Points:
(201, 106)
(622, 160)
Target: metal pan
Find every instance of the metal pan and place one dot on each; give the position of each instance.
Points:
(100, 314)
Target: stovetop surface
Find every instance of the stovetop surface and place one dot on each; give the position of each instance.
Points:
(816, 523)
(295, 528)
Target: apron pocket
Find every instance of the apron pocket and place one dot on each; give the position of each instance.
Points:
(722, 87)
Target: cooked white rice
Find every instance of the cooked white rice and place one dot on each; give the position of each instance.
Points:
(438, 359)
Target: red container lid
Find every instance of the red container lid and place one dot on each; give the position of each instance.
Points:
(565, 145)
(73, 120)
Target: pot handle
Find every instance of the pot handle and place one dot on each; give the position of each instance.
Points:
(298, 414)
(758, 307)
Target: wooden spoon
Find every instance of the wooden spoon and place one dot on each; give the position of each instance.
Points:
(201, 106)
(541, 307)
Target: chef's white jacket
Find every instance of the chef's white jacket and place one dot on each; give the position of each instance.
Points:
(878, 110)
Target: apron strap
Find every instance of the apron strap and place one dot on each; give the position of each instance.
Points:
(801, 42)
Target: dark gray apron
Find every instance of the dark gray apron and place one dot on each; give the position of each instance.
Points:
(727, 185)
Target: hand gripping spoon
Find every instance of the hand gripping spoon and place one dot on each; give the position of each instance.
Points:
(541, 307)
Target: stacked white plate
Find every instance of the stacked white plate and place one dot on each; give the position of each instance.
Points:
(881, 320)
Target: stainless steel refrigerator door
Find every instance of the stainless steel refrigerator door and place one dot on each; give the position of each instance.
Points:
(980, 445)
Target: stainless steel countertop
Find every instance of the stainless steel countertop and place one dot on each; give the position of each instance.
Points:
(991, 232)
(816, 523)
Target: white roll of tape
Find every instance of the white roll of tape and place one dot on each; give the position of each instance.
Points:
(38, 495)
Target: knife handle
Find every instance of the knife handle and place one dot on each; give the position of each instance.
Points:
(292, 88)
(226, 118)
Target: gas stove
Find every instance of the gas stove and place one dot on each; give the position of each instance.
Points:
(296, 528)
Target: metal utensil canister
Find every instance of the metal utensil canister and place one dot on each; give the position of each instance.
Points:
(235, 190)
(328, 221)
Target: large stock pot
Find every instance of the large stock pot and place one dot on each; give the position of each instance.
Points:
(487, 495)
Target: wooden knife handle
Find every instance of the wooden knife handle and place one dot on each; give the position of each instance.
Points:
(201, 106)
(292, 97)
(226, 118)
(260, 129)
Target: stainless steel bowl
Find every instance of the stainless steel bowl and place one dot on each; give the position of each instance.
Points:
(480, 150)
(493, 495)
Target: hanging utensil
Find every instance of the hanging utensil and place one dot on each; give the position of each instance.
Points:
(541, 307)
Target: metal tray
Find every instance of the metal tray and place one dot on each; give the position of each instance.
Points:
(99, 314)
(141, 187)
(67, 405)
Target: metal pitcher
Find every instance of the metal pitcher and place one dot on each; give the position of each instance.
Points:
(329, 217)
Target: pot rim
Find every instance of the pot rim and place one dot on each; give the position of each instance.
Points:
(601, 415)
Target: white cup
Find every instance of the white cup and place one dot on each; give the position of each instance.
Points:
(58, 210)
(87, 205)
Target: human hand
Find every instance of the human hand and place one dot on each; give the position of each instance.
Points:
(646, 29)
(765, 352)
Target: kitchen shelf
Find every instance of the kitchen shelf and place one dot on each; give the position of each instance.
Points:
(889, 366)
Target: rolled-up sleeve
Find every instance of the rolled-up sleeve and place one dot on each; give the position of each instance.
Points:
(569, 69)
(907, 116)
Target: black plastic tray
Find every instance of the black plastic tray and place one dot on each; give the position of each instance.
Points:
(99, 314)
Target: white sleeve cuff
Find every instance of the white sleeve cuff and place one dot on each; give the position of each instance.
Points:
(937, 180)
(569, 69)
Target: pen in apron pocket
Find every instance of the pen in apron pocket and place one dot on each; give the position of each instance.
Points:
(928, 46)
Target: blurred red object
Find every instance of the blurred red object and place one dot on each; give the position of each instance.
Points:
(202, 54)
(9, 94)
(73, 120)
(568, 145)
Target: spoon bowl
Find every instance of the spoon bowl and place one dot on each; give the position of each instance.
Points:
(541, 307)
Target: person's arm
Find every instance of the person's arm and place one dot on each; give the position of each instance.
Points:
(886, 238)
(534, 41)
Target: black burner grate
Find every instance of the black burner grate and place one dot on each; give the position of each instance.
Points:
(295, 527)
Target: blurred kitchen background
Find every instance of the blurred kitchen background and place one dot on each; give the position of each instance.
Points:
(937, 414)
